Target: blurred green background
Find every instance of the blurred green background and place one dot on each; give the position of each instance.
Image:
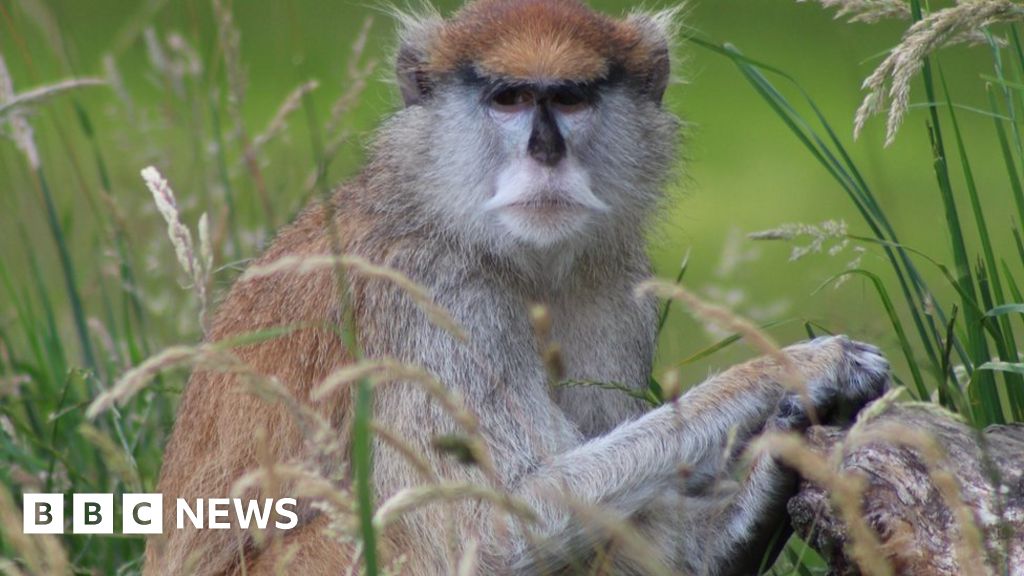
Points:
(743, 169)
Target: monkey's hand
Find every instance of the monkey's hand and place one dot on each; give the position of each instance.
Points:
(823, 381)
(837, 377)
(826, 381)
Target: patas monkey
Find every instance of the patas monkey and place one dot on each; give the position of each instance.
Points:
(532, 148)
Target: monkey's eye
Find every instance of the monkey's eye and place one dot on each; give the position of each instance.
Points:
(569, 101)
(512, 100)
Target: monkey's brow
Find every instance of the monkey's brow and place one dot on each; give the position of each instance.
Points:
(491, 86)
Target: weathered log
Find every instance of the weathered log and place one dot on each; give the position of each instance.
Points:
(907, 501)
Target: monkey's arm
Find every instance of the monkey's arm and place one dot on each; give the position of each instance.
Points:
(627, 470)
(719, 528)
(622, 473)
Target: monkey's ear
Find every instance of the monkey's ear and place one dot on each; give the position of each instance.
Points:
(658, 77)
(413, 80)
(418, 33)
(658, 31)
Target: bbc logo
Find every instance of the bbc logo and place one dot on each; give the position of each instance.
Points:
(93, 513)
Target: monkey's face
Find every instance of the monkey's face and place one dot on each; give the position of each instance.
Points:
(540, 189)
(542, 119)
(546, 163)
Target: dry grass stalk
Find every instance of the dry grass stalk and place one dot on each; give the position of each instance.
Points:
(550, 351)
(158, 60)
(268, 480)
(135, 379)
(21, 130)
(41, 94)
(284, 561)
(197, 265)
(845, 492)
(322, 437)
(374, 370)
(130, 31)
(715, 314)
(42, 16)
(410, 453)
(40, 553)
(118, 461)
(113, 77)
(890, 81)
(14, 105)
(818, 234)
(732, 323)
(831, 237)
(187, 63)
(671, 385)
(216, 356)
(868, 11)
(622, 534)
(280, 120)
(413, 498)
(875, 409)
(468, 563)
(10, 568)
(305, 484)
(416, 292)
(103, 336)
(383, 370)
(230, 45)
(183, 62)
(358, 76)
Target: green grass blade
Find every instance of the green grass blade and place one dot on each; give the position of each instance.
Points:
(997, 327)
(1004, 341)
(1011, 165)
(1010, 367)
(972, 194)
(1019, 243)
(663, 316)
(985, 394)
(1005, 309)
(362, 462)
(133, 303)
(847, 176)
(225, 180)
(986, 397)
(725, 343)
(950, 394)
(53, 344)
(1018, 72)
(894, 320)
(1015, 291)
(68, 271)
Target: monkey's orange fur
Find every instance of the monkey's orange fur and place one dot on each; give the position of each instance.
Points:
(547, 39)
(222, 420)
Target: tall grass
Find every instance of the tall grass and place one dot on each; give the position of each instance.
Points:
(101, 324)
(981, 339)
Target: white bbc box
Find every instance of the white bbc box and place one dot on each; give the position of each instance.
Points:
(92, 514)
(142, 513)
(42, 513)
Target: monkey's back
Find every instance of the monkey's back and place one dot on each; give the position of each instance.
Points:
(223, 427)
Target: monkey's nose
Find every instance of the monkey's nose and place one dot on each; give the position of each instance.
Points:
(546, 144)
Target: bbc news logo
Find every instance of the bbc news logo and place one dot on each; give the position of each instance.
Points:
(144, 513)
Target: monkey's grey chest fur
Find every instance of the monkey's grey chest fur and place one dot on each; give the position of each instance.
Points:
(606, 338)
